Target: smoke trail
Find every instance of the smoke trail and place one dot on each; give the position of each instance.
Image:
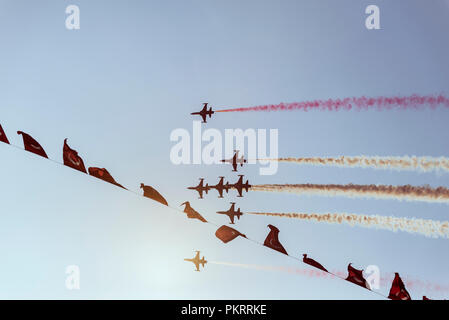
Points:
(413, 283)
(385, 280)
(378, 103)
(315, 273)
(429, 228)
(406, 192)
(400, 163)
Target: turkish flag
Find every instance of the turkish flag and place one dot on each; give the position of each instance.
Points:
(152, 193)
(3, 137)
(272, 240)
(72, 159)
(192, 213)
(313, 263)
(103, 174)
(32, 145)
(398, 291)
(356, 276)
(226, 234)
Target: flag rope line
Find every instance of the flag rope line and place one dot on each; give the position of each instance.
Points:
(209, 222)
(126, 189)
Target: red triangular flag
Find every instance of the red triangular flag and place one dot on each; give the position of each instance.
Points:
(192, 213)
(3, 137)
(226, 234)
(398, 291)
(103, 174)
(152, 193)
(356, 276)
(72, 159)
(313, 263)
(32, 145)
(272, 240)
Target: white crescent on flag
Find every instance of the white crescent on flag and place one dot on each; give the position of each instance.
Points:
(75, 162)
(35, 147)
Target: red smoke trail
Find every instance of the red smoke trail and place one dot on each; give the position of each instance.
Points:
(378, 103)
(406, 192)
(292, 270)
(413, 283)
(385, 279)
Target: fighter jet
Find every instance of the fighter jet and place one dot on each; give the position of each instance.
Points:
(200, 188)
(204, 112)
(220, 186)
(197, 261)
(235, 160)
(240, 186)
(231, 213)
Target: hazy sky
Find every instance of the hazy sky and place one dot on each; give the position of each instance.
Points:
(134, 71)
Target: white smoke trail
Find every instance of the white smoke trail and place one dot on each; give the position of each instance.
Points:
(428, 228)
(423, 164)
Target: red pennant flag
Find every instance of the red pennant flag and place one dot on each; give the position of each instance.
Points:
(356, 276)
(72, 159)
(152, 193)
(226, 234)
(103, 174)
(192, 213)
(32, 145)
(3, 137)
(398, 291)
(313, 263)
(272, 240)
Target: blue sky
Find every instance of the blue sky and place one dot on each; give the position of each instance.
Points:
(134, 71)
